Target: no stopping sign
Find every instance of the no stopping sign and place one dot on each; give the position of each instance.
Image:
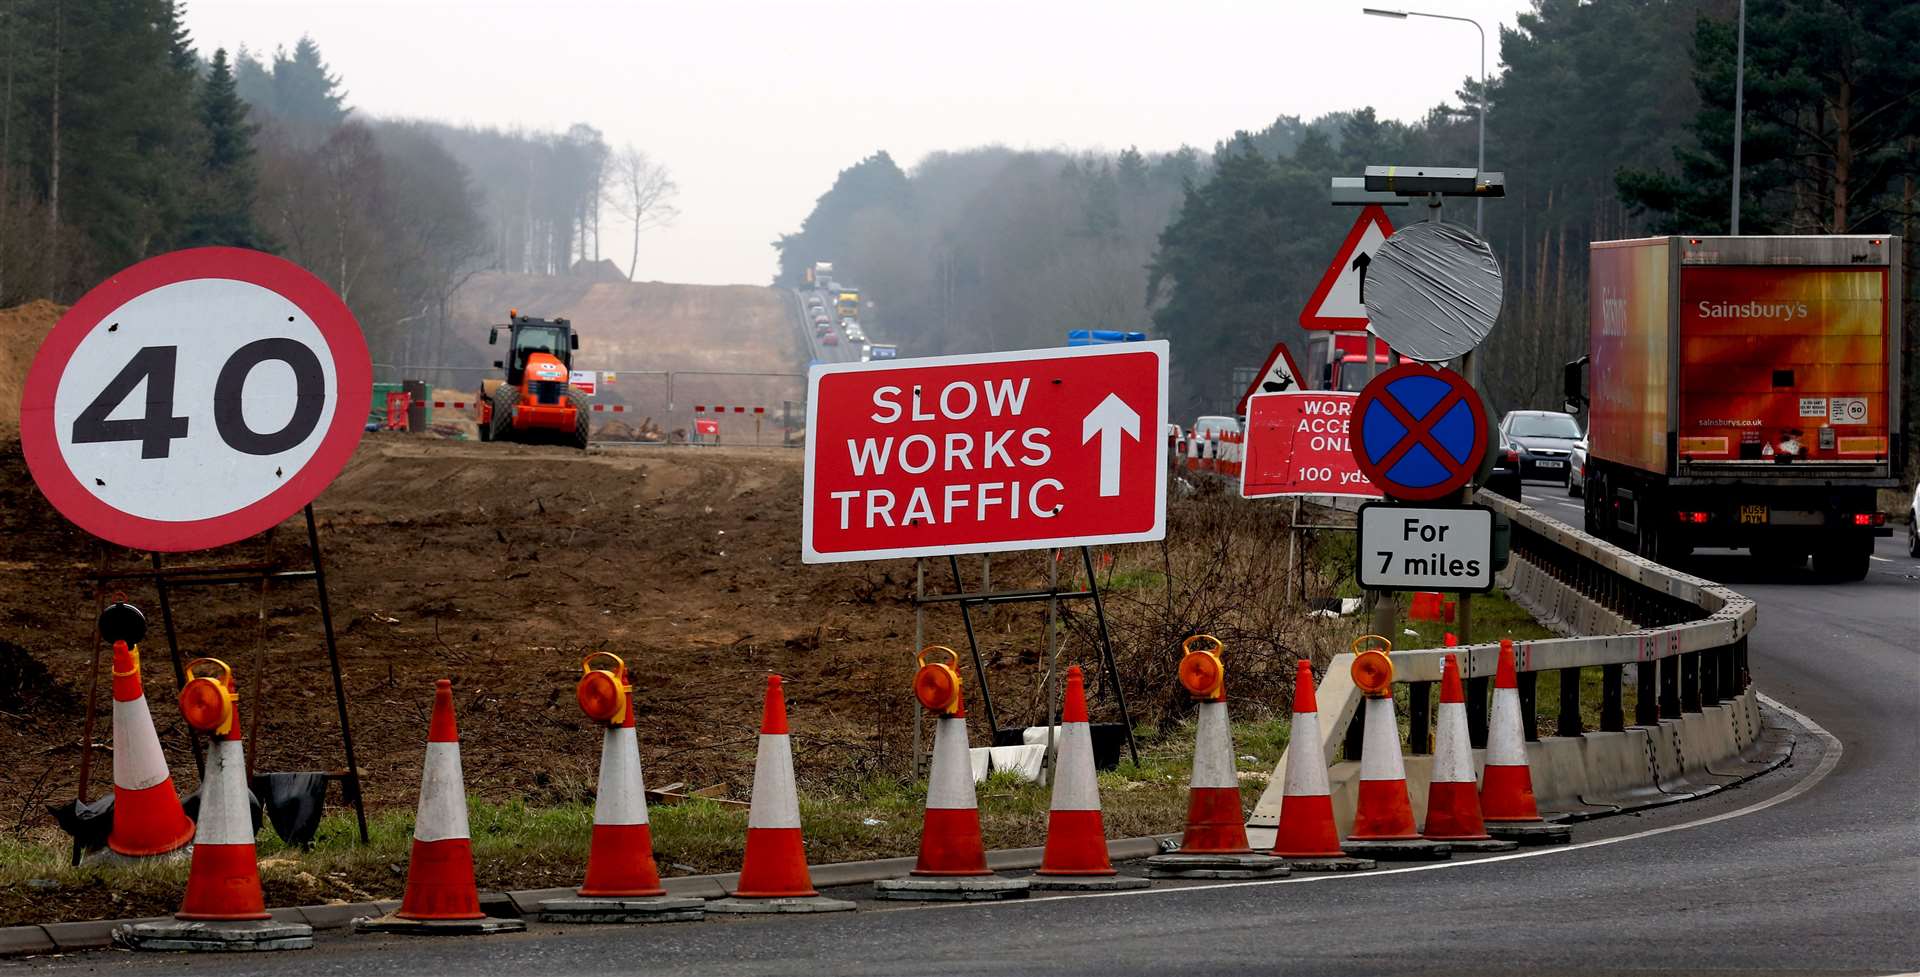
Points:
(195, 399)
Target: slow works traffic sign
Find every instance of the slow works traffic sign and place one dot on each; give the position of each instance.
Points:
(985, 453)
(1407, 548)
(195, 399)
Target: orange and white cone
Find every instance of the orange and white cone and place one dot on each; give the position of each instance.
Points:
(620, 857)
(1506, 790)
(1075, 856)
(441, 895)
(1306, 830)
(953, 857)
(774, 870)
(1214, 844)
(223, 908)
(1383, 824)
(1453, 798)
(147, 816)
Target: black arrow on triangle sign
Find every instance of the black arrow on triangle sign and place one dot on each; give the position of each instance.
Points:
(1360, 263)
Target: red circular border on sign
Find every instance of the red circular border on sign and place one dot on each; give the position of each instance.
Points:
(1375, 390)
(353, 376)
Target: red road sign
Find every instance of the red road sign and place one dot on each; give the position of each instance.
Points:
(253, 384)
(1419, 433)
(1277, 375)
(986, 453)
(1335, 303)
(1297, 445)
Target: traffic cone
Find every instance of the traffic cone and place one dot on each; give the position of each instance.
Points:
(623, 882)
(223, 908)
(953, 858)
(1306, 835)
(773, 876)
(950, 842)
(1383, 816)
(147, 817)
(1453, 800)
(1506, 790)
(441, 896)
(620, 855)
(1076, 853)
(1214, 844)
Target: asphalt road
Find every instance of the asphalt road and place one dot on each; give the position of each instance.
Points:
(1814, 868)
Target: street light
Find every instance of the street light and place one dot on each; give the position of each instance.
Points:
(1479, 206)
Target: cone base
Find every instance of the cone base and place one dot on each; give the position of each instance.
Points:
(740, 905)
(950, 890)
(1341, 864)
(149, 821)
(440, 882)
(1086, 883)
(1215, 824)
(950, 844)
(1190, 865)
(775, 866)
(620, 863)
(1399, 849)
(1076, 845)
(223, 885)
(1306, 828)
(666, 910)
(1531, 833)
(395, 923)
(223, 937)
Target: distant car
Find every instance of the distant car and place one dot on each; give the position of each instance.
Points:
(1544, 439)
(1913, 524)
(830, 339)
(1209, 425)
(1506, 470)
(1577, 469)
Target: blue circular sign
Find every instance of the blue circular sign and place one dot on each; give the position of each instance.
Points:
(1419, 433)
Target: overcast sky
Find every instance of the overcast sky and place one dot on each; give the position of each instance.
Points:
(756, 106)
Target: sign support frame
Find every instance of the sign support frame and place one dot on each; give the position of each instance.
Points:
(259, 574)
(1052, 594)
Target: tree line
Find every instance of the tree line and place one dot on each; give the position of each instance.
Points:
(119, 140)
(1610, 119)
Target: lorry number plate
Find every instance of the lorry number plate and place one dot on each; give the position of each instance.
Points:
(1755, 514)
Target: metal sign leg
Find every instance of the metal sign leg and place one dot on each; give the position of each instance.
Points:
(339, 684)
(1106, 650)
(973, 644)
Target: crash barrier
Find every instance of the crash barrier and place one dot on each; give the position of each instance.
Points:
(1680, 641)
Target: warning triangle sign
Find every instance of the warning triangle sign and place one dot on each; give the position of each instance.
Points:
(1336, 300)
(1277, 375)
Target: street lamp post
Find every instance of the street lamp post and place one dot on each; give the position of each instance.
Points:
(1479, 206)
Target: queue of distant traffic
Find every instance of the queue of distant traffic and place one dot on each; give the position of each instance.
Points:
(829, 302)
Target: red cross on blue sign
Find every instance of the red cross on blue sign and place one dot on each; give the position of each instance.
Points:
(1419, 433)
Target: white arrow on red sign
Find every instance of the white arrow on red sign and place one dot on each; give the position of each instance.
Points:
(985, 453)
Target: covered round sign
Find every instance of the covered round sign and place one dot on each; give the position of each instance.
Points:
(195, 399)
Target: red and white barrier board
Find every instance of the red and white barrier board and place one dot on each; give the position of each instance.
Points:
(986, 453)
(1297, 444)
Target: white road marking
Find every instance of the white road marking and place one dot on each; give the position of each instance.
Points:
(1828, 761)
(1879, 559)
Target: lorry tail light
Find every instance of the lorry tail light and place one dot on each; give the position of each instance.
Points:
(1694, 517)
(1869, 518)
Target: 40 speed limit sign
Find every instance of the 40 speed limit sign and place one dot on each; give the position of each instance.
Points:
(195, 399)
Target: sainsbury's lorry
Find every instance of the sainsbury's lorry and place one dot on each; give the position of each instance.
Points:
(1742, 392)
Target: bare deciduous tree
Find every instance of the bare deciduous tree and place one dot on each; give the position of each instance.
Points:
(642, 191)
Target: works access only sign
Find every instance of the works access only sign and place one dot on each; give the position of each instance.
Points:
(1298, 444)
(985, 453)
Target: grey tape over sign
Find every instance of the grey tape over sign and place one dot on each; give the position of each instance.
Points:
(1433, 291)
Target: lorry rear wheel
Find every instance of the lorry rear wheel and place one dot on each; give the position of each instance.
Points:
(1846, 561)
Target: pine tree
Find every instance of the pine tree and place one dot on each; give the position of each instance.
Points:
(305, 95)
(224, 211)
(252, 80)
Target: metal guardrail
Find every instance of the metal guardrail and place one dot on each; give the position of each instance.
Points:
(1686, 637)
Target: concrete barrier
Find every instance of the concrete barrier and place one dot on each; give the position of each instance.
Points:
(1600, 598)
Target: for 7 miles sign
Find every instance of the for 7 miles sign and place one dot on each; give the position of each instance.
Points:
(195, 399)
(986, 453)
